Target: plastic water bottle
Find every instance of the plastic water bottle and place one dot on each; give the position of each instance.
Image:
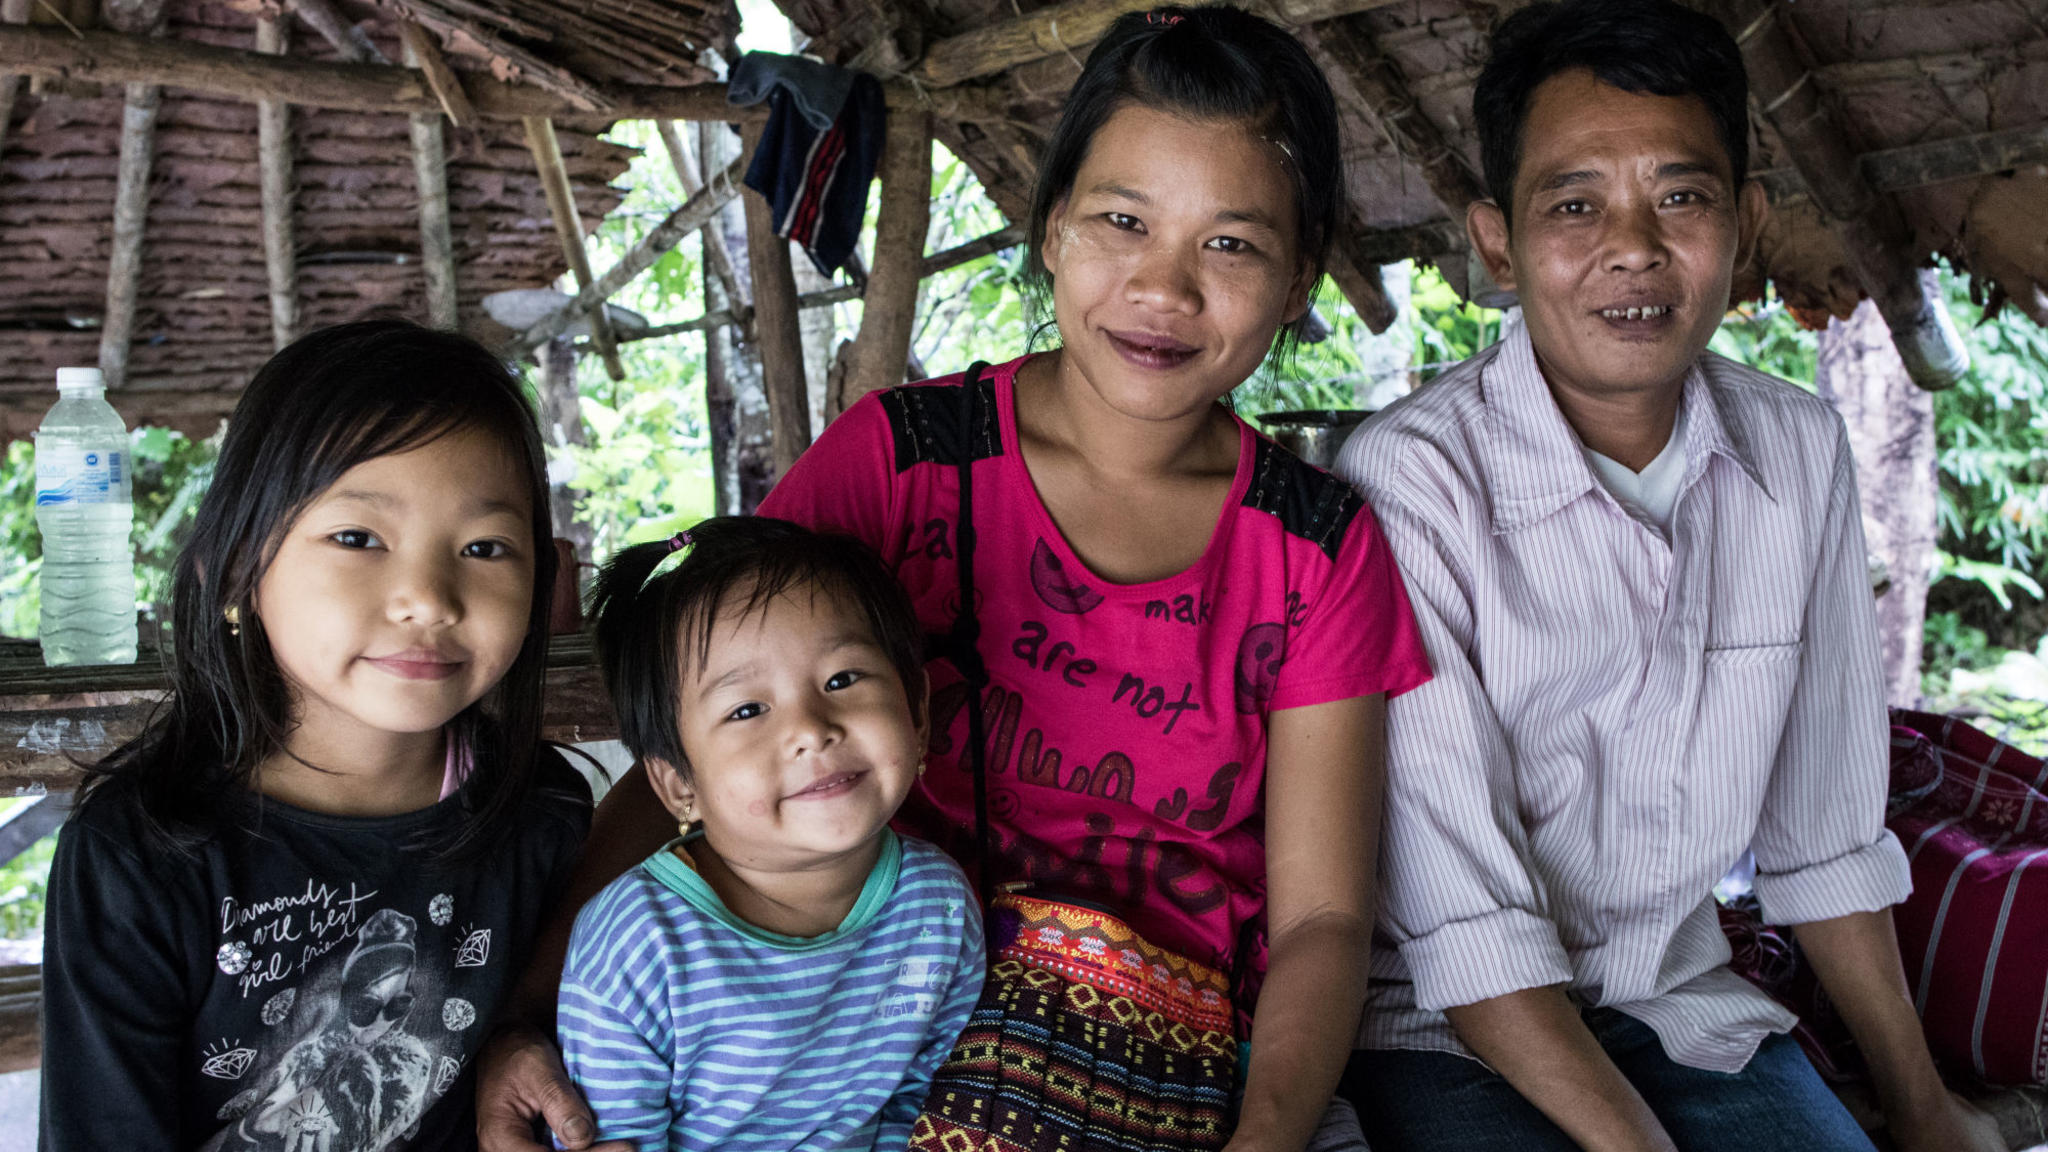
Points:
(84, 507)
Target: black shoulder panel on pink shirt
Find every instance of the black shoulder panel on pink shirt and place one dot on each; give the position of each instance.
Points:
(925, 420)
(1310, 503)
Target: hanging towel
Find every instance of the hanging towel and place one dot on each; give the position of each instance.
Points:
(816, 181)
(819, 89)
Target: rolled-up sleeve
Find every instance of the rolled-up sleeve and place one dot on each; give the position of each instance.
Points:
(1458, 895)
(1821, 846)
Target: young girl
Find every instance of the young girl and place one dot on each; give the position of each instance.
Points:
(1183, 635)
(284, 916)
(788, 973)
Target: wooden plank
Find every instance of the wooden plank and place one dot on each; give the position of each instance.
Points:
(692, 215)
(274, 160)
(881, 351)
(554, 179)
(1359, 279)
(348, 39)
(1071, 28)
(425, 54)
(777, 337)
(131, 213)
(101, 57)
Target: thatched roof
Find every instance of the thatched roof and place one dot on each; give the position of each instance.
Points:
(1894, 74)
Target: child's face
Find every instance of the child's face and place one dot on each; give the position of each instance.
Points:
(799, 734)
(1175, 259)
(401, 594)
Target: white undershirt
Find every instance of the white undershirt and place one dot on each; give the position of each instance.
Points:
(1651, 494)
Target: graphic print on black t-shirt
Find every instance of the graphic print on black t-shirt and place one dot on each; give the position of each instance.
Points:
(361, 1032)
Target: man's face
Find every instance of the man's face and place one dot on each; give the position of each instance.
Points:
(1627, 228)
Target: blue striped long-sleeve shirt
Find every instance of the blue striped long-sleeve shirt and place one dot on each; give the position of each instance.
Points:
(688, 1028)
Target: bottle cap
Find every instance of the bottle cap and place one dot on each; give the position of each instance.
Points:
(69, 379)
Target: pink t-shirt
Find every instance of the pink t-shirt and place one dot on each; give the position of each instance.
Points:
(1126, 723)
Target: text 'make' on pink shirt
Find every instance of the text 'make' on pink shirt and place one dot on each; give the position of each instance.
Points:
(1126, 723)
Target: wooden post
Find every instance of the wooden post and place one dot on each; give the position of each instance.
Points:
(554, 180)
(349, 40)
(437, 237)
(447, 87)
(274, 154)
(1891, 434)
(561, 425)
(889, 313)
(131, 213)
(775, 327)
(11, 12)
(717, 257)
(1359, 279)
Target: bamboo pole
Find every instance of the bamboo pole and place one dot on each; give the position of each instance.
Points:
(441, 78)
(717, 257)
(437, 237)
(1883, 254)
(691, 216)
(131, 213)
(882, 350)
(349, 40)
(554, 180)
(274, 156)
(776, 334)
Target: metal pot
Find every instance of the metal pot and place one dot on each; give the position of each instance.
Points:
(1314, 434)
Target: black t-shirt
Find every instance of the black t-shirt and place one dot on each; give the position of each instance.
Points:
(307, 982)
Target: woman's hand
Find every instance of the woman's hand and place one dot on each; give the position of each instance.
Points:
(520, 1079)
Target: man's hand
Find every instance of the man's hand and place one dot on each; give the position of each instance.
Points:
(1948, 1125)
(520, 1079)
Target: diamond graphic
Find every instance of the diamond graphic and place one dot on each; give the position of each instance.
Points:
(227, 1060)
(475, 950)
(457, 1013)
(444, 1076)
(233, 957)
(441, 909)
(278, 1008)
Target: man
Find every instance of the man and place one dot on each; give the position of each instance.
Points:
(1639, 570)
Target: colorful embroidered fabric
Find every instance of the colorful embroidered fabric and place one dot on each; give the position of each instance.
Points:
(1086, 1037)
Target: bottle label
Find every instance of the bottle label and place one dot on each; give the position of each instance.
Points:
(73, 475)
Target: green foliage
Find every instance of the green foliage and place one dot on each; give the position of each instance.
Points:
(2003, 691)
(22, 883)
(1765, 335)
(1447, 329)
(1993, 442)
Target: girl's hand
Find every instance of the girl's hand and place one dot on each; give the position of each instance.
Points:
(520, 1079)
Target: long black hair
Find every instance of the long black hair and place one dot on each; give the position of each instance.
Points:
(328, 402)
(1216, 63)
(652, 630)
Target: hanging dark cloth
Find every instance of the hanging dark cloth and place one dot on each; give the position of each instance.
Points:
(815, 179)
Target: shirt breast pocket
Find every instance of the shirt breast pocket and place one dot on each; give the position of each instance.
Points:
(1745, 693)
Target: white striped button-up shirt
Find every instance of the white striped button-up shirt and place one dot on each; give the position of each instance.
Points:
(1615, 718)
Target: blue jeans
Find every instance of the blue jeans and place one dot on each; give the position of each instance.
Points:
(1437, 1100)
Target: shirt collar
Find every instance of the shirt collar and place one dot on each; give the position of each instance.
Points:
(1539, 463)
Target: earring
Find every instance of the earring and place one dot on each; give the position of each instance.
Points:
(234, 618)
(689, 817)
(920, 767)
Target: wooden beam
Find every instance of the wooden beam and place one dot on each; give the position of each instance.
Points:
(717, 256)
(1872, 230)
(421, 47)
(777, 337)
(437, 235)
(693, 214)
(131, 213)
(888, 317)
(1957, 158)
(460, 17)
(274, 159)
(554, 181)
(236, 74)
(1072, 27)
(349, 40)
(1358, 277)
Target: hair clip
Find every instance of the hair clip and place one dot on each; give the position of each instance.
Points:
(1157, 17)
(680, 541)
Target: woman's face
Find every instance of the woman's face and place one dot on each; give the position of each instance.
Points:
(1175, 258)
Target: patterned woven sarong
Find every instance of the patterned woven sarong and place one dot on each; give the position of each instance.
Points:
(1086, 1037)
